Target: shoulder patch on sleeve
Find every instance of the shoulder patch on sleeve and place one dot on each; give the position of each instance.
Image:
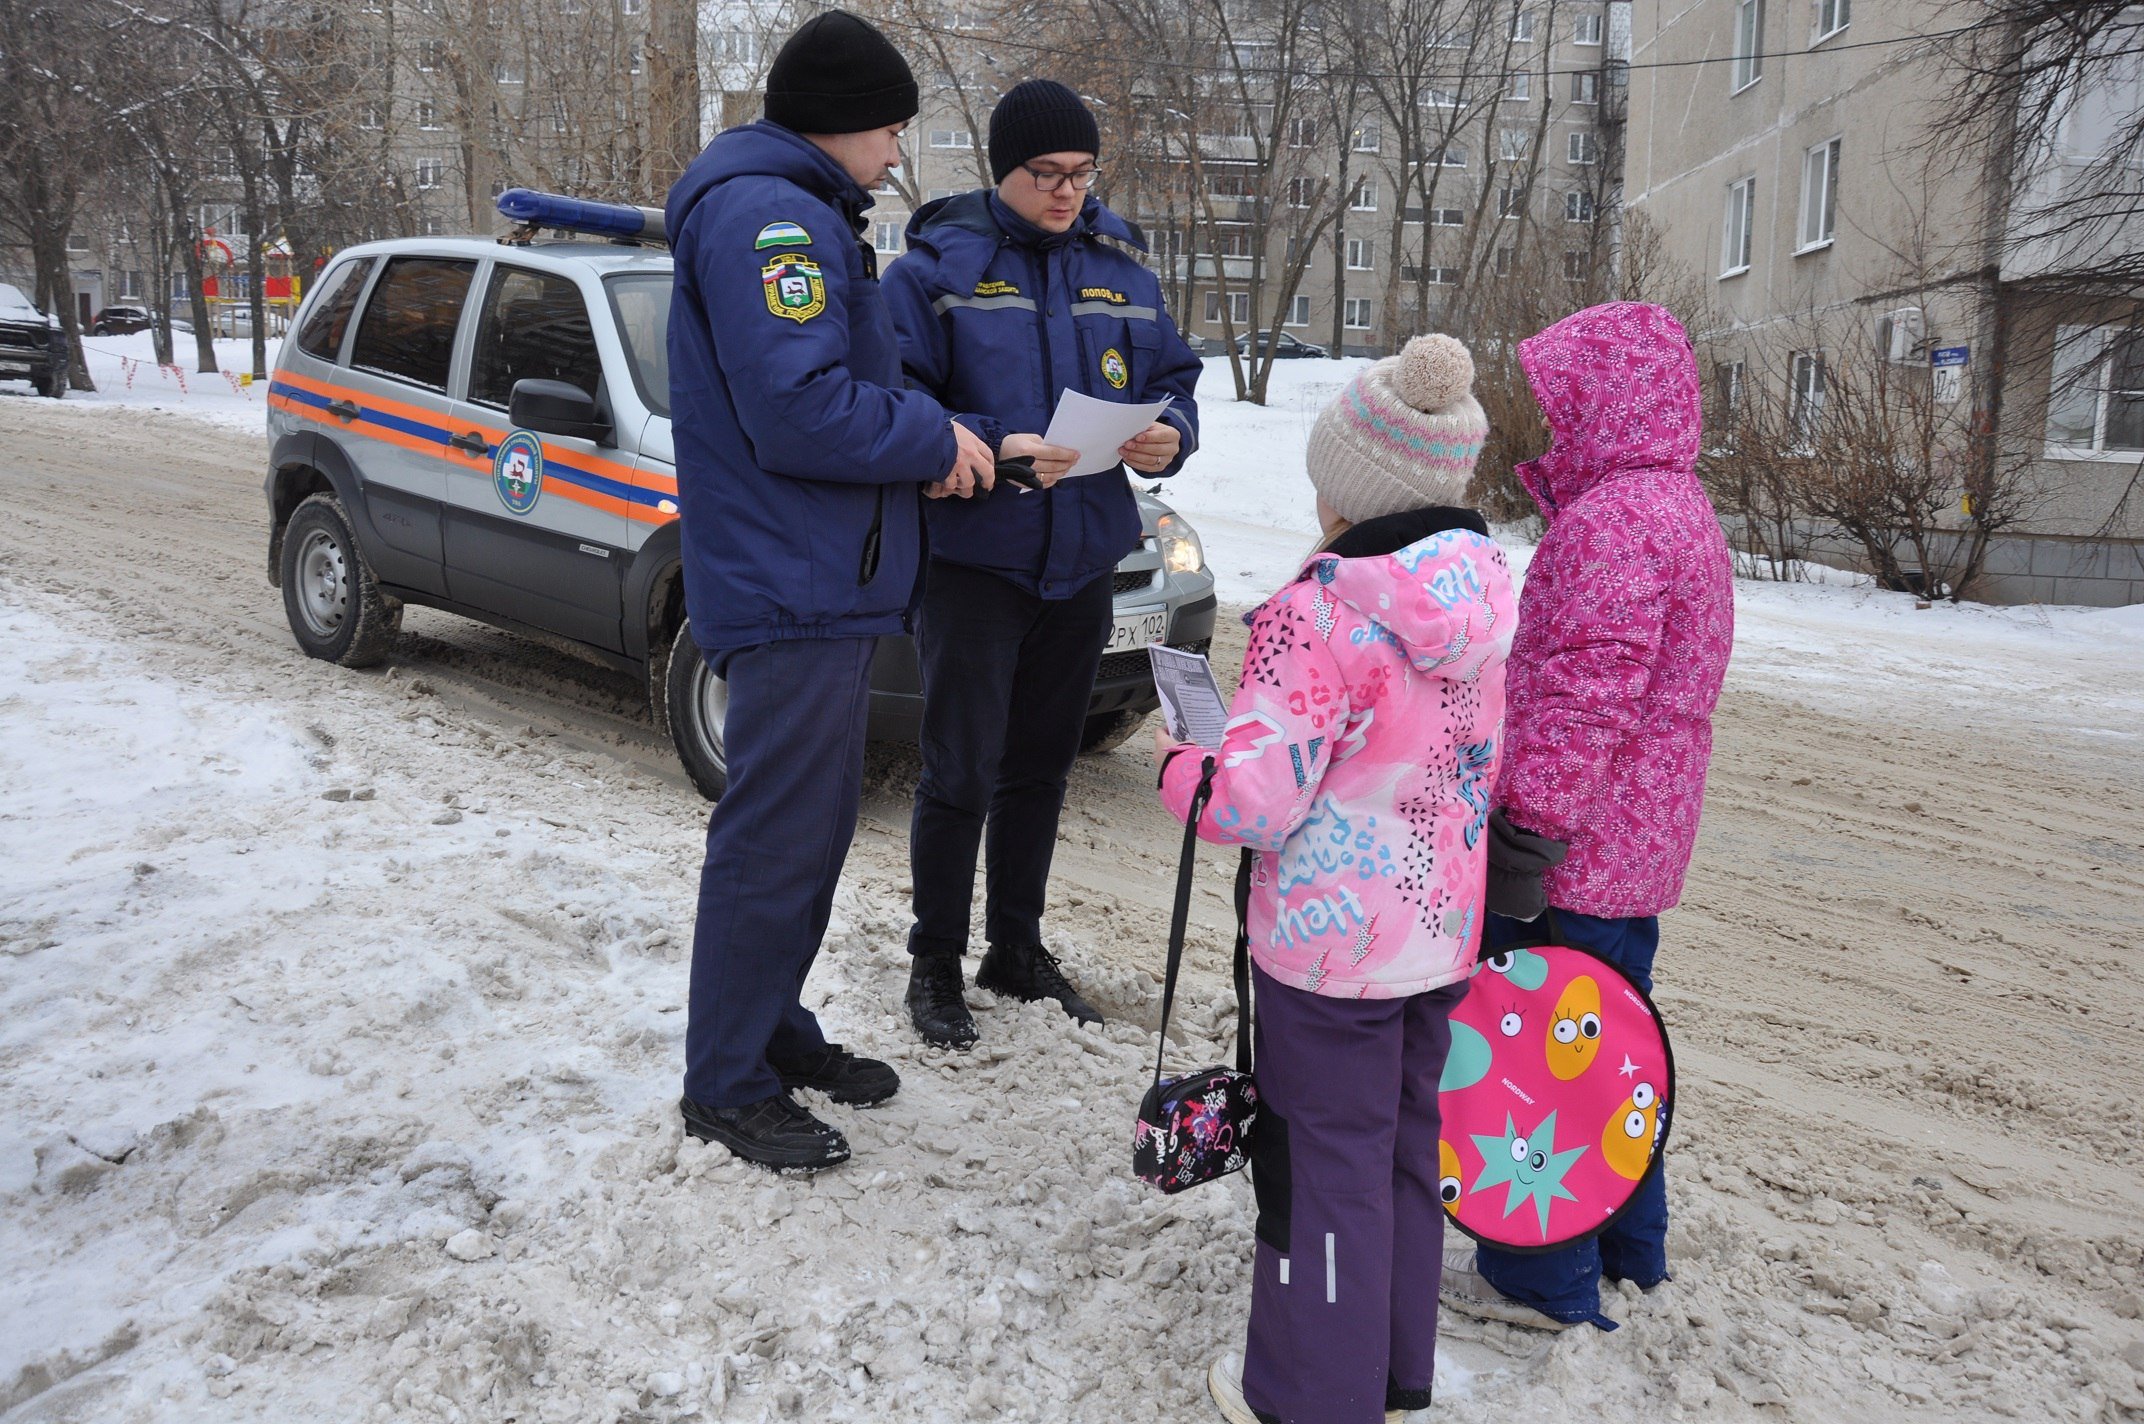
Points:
(794, 285)
(781, 234)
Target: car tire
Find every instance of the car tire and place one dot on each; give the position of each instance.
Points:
(695, 705)
(1106, 731)
(336, 610)
(54, 385)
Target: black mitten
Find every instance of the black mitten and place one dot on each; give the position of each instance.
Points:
(1517, 860)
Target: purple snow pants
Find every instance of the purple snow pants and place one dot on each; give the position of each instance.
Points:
(1350, 1229)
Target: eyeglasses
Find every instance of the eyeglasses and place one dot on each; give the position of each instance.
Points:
(1050, 182)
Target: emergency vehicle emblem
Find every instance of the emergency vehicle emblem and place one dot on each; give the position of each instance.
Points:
(1114, 370)
(794, 286)
(517, 471)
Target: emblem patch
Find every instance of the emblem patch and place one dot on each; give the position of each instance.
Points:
(781, 234)
(517, 471)
(795, 288)
(996, 288)
(1114, 370)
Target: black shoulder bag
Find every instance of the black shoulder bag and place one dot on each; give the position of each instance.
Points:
(1196, 1128)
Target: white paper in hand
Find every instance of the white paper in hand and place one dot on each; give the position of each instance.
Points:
(1192, 707)
(1096, 428)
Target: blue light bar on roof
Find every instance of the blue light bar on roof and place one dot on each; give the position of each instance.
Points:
(564, 214)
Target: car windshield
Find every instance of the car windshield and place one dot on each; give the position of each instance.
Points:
(641, 302)
(13, 297)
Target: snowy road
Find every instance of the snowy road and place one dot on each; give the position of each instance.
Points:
(339, 1029)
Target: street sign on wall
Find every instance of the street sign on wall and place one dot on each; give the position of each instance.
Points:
(1946, 369)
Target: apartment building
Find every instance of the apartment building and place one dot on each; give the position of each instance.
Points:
(1804, 162)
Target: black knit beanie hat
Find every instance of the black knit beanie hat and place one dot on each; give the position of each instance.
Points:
(1035, 117)
(837, 74)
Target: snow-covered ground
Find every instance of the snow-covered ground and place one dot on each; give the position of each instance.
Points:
(340, 1024)
(126, 374)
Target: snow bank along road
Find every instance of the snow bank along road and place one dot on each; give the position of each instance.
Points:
(340, 1016)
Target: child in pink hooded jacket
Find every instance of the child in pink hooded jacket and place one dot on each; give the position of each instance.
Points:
(1358, 764)
(1624, 634)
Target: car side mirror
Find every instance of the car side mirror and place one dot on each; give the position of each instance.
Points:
(557, 408)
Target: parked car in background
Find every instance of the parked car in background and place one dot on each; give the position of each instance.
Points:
(1284, 346)
(483, 425)
(32, 346)
(119, 321)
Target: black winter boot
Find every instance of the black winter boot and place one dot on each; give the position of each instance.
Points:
(935, 1005)
(773, 1132)
(841, 1075)
(1029, 972)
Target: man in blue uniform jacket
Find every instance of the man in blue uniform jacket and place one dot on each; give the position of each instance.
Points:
(802, 459)
(1006, 298)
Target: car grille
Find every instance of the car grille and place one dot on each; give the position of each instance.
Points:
(1135, 662)
(23, 338)
(1132, 580)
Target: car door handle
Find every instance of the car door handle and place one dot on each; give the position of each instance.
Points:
(344, 409)
(473, 443)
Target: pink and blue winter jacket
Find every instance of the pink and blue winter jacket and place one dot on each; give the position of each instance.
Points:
(1627, 618)
(1358, 761)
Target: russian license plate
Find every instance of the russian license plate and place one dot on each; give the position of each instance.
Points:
(1136, 630)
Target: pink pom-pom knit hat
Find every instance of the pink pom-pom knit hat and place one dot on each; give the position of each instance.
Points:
(1403, 435)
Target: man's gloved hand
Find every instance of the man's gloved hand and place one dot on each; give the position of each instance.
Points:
(1517, 860)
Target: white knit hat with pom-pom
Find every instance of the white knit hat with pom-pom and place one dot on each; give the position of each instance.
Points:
(1403, 435)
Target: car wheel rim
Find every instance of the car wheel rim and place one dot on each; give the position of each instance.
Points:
(711, 709)
(323, 583)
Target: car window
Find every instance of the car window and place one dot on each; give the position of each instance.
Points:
(407, 330)
(534, 326)
(330, 317)
(641, 302)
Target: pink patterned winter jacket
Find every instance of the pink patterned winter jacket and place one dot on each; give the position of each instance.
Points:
(1359, 759)
(1627, 618)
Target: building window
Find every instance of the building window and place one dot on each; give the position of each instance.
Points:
(431, 54)
(886, 238)
(1832, 16)
(1578, 207)
(1231, 240)
(1441, 276)
(1301, 191)
(1727, 391)
(1522, 87)
(1453, 155)
(1511, 203)
(1298, 311)
(1370, 138)
(1748, 65)
(1737, 227)
(1574, 266)
(509, 71)
(1587, 31)
(1364, 198)
(1506, 259)
(1441, 99)
(1447, 217)
(1302, 133)
(1584, 148)
(633, 60)
(429, 172)
(632, 7)
(1807, 406)
(1511, 145)
(2095, 401)
(427, 114)
(1239, 308)
(1241, 184)
(734, 47)
(1585, 86)
(1522, 27)
(1356, 316)
(369, 117)
(952, 138)
(219, 218)
(1360, 254)
(1820, 195)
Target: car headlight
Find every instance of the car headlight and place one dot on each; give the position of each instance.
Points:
(1181, 552)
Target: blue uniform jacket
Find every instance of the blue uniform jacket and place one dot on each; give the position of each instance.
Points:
(800, 449)
(997, 318)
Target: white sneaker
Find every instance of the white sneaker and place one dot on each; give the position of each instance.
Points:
(1467, 1291)
(1224, 1381)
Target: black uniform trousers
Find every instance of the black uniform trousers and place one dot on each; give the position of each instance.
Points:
(1007, 676)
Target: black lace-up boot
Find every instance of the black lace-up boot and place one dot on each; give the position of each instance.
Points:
(1029, 972)
(773, 1132)
(935, 1005)
(845, 1077)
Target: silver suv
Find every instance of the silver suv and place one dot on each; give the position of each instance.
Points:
(483, 425)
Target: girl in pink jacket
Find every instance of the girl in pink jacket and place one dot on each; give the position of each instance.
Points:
(1624, 635)
(1358, 764)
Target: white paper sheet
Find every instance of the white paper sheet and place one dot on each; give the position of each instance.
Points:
(1192, 707)
(1096, 428)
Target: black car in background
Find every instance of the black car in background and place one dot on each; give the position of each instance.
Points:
(1284, 346)
(32, 346)
(119, 321)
